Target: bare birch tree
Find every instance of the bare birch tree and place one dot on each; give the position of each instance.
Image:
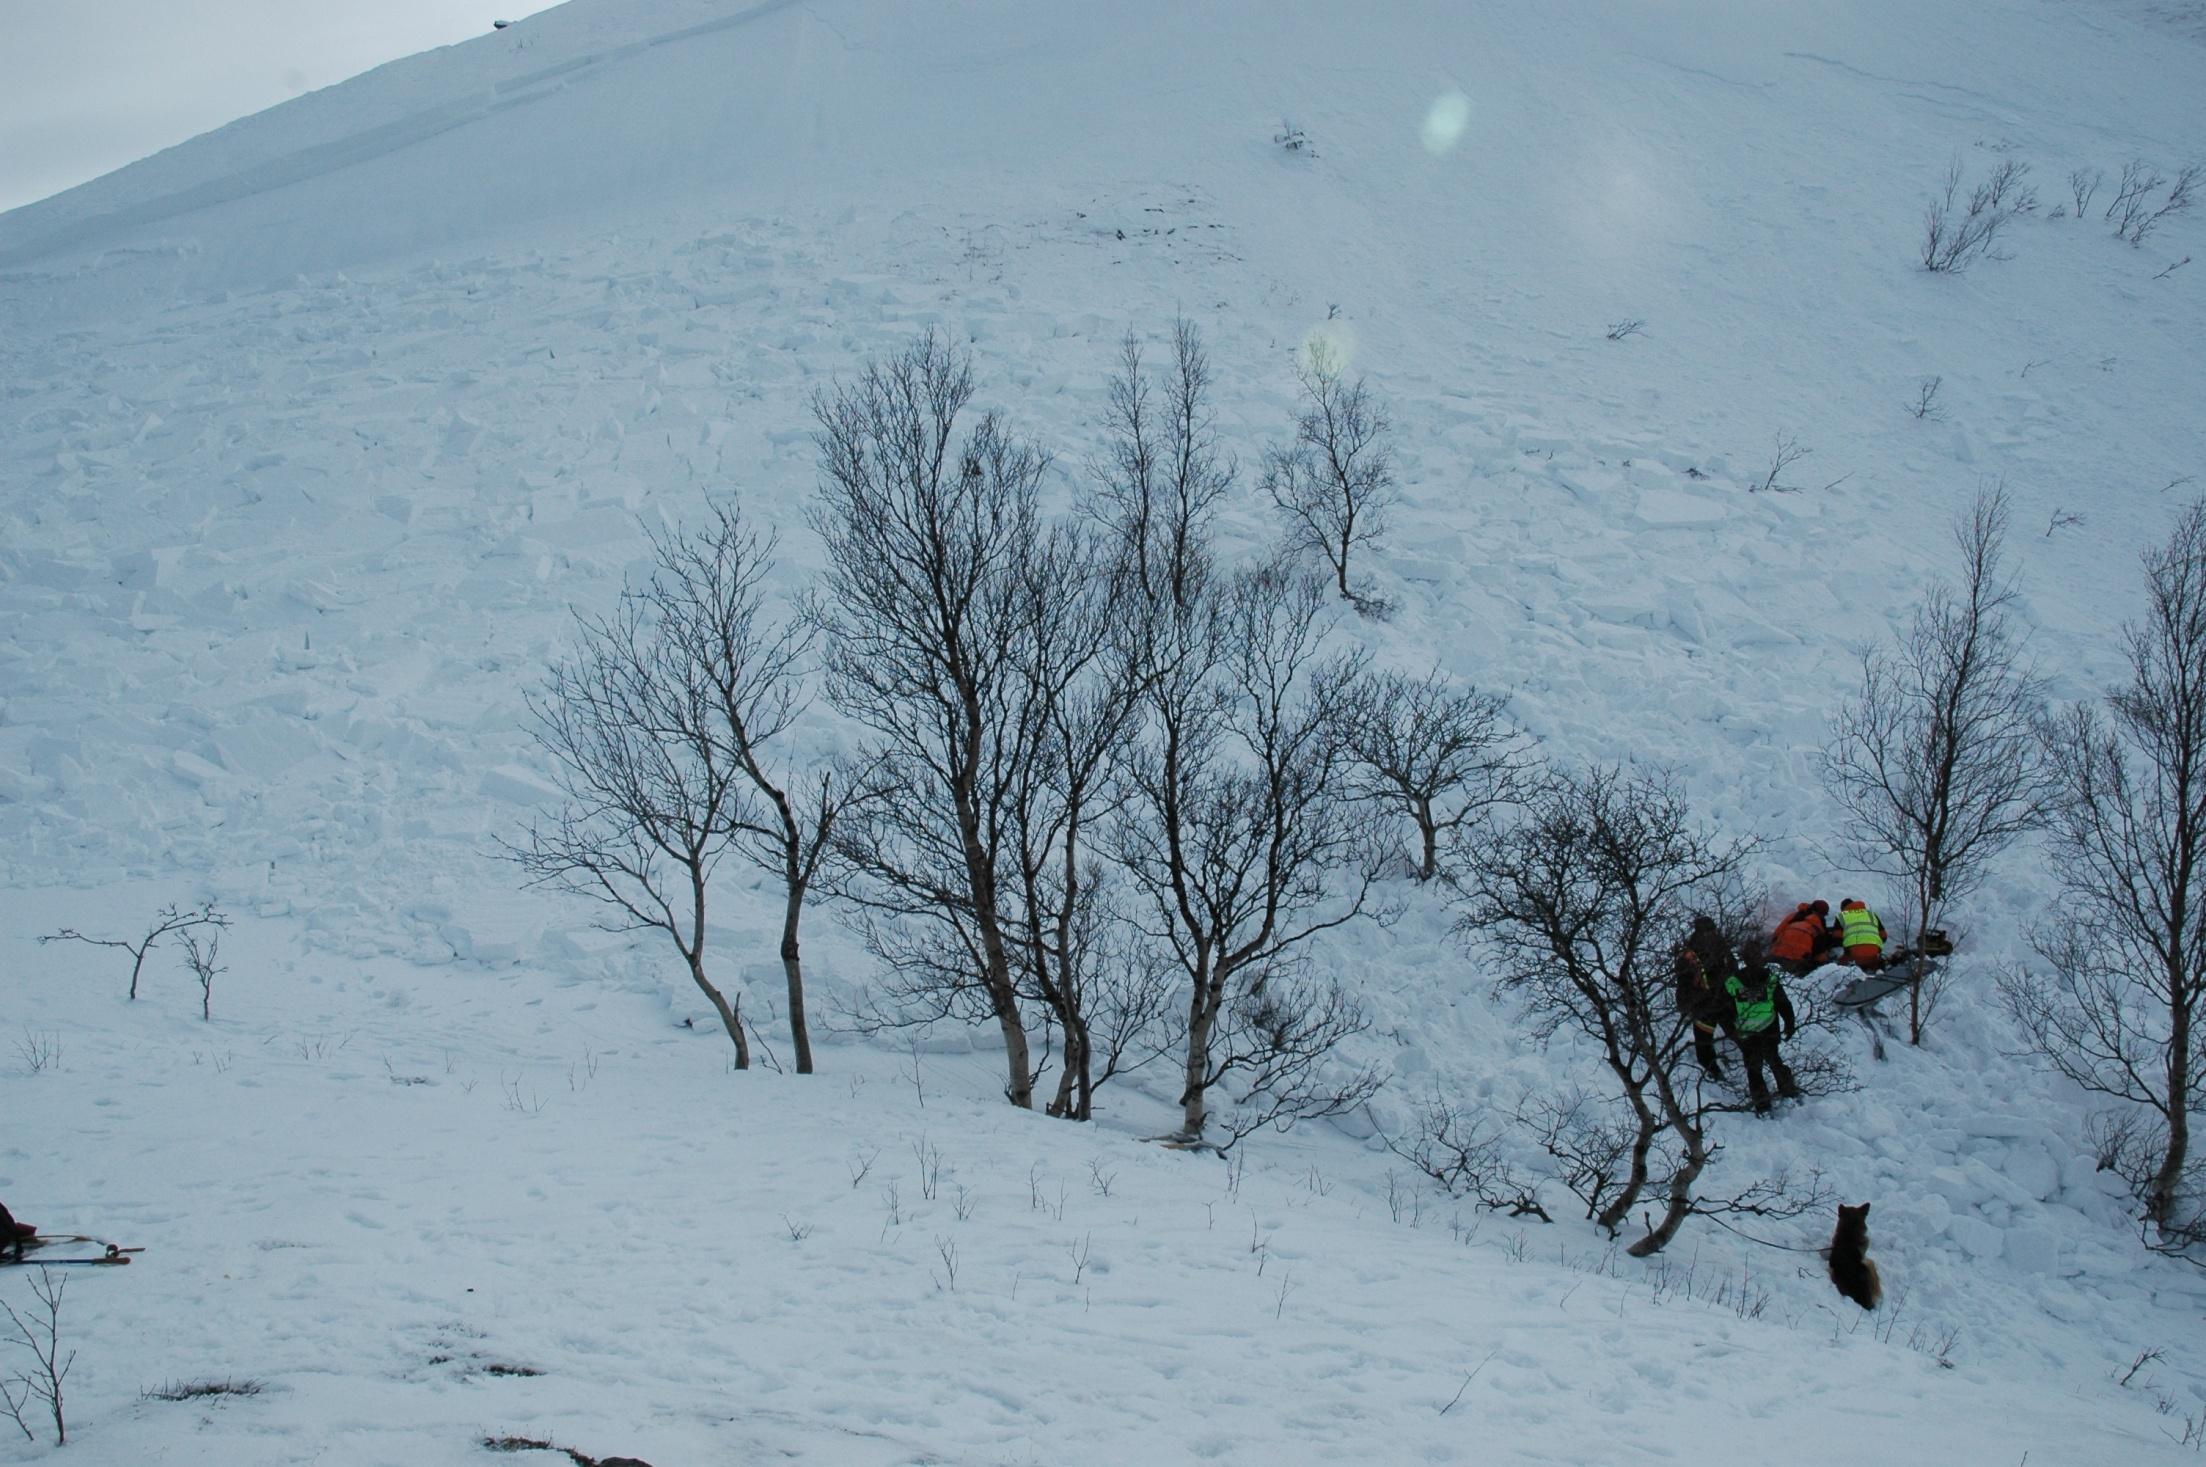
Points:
(933, 537)
(1085, 665)
(706, 596)
(1244, 845)
(1335, 480)
(2113, 1001)
(631, 724)
(1443, 752)
(1935, 759)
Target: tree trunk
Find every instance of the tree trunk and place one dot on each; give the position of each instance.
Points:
(1003, 996)
(1681, 1185)
(1431, 833)
(694, 952)
(1925, 893)
(1614, 1215)
(729, 1018)
(1018, 1057)
(2165, 1193)
(792, 967)
(1202, 1017)
(1075, 1086)
(980, 882)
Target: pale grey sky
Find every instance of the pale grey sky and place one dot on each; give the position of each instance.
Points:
(87, 86)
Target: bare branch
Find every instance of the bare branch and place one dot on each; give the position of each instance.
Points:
(201, 961)
(1787, 453)
(1926, 407)
(1459, 1150)
(40, 1336)
(171, 918)
(1952, 242)
(2082, 184)
(651, 725)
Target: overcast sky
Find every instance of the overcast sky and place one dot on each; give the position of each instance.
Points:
(89, 85)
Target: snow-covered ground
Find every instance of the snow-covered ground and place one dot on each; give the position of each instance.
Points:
(312, 429)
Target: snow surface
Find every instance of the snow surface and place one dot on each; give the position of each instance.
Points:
(312, 429)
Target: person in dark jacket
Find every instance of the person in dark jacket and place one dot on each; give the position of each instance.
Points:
(1704, 961)
(1761, 1015)
(14, 1236)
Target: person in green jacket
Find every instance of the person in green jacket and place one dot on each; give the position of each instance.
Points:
(1761, 1015)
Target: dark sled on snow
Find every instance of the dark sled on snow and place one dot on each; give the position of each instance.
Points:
(1866, 990)
(84, 1250)
(1861, 994)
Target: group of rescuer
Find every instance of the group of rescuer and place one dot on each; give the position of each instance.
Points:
(1742, 993)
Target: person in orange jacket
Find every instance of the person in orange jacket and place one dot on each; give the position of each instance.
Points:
(1861, 933)
(1806, 939)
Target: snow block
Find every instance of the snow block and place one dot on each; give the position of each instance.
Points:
(1977, 1237)
(1668, 509)
(467, 948)
(142, 570)
(2030, 1167)
(2079, 1173)
(16, 785)
(2033, 1250)
(1960, 1191)
(265, 747)
(512, 783)
(192, 769)
(2009, 1128)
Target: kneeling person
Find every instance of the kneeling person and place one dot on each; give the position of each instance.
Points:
(1805, 940)
(1861, 932)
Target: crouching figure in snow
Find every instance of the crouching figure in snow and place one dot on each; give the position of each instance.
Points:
(13, 1235)
(1861, 931)
(1805, 940)
(1760, 1009)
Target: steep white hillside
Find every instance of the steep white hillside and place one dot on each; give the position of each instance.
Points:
(312, 429)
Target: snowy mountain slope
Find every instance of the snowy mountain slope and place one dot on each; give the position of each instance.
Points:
(384, 1198)
(312, 429)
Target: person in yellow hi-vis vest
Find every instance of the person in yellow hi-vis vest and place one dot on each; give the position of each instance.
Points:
(1861, 933)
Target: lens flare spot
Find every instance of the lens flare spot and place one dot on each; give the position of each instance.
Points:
(1328, 349)
(1445, 123)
